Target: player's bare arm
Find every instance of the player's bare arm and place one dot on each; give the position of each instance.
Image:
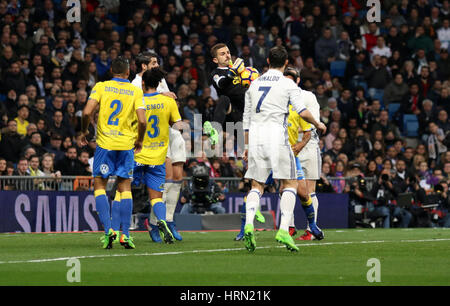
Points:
(296, 148)
(88, 111)
(142, 127)
(308, 117)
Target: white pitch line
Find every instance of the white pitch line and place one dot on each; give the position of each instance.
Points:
(217, 250)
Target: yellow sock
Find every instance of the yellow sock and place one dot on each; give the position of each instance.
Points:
(308, 202)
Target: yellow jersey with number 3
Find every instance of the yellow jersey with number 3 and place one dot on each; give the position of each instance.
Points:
(160, 111)
(117, 119)
(295, 122)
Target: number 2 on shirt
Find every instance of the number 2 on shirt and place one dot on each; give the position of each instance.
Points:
(265, 90)
(112, 120)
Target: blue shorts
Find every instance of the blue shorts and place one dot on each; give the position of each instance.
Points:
(300, 174)
(153, 177)
(111, 162)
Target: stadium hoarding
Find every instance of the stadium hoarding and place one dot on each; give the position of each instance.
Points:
(73, 211)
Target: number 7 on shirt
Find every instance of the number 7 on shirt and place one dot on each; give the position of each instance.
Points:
(265, 90)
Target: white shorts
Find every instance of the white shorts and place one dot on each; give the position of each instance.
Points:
(268, 158)
(177, 149)
(311, 161)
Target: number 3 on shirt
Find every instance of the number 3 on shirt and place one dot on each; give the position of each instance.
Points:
(112, 120)
(265, 90)
(153, 121)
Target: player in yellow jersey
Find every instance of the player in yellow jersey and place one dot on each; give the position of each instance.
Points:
(120, 104)
(150, 167)
(296, 124)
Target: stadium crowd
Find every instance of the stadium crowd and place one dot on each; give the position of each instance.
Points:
(383, 88)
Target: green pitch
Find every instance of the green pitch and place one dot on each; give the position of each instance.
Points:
(406, 256)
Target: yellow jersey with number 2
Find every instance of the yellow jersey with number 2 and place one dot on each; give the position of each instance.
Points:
(116, 126)
(160, 111)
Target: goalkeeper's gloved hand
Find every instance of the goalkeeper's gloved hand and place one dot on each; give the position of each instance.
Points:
(236, 68)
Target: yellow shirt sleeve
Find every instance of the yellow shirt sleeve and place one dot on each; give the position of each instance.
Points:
(139, 100)
(305, 126)
(174, 113)
(97, 91)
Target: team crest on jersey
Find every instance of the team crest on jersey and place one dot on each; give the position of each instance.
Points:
(104, 169)
(130, 173)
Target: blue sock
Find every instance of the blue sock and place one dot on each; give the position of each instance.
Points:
(103, 209)
(115, 213)
(308, 208)
(126, 209)
(159, 208)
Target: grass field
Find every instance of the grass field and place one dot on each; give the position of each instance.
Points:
(407, 257)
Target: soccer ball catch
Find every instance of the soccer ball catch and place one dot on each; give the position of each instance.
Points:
(248, 76)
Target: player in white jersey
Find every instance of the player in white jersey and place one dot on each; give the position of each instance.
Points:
(267, 146)
(176, 153)
(309, 160)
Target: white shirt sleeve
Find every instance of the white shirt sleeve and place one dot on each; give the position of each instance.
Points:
(247, 109)
(295, 98)
(162, 87)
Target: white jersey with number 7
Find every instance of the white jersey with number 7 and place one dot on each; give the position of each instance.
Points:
(267, 108)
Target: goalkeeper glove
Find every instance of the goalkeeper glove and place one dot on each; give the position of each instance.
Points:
(236, 68)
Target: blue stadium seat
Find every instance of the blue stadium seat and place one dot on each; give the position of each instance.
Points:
(410, 125)
(337, 68)
(392, 108)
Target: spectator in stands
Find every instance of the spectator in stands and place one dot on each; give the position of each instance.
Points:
(10, 144)
(70, 165)
(377, 77)
(47, 166)
(33, 169)
(59, 126)
(325, 49)
(332, 135)
(435, 142)
(36, 143)
(3, 168)
(395, 90)
(22, 167)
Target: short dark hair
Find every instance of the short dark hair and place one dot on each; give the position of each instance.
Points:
(120, 65)
(152, 77)
(277, 57)
(215, 48)
(33, 156)
(293, 72)
(144, 58)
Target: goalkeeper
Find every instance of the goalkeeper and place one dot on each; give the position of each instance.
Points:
(231, 93)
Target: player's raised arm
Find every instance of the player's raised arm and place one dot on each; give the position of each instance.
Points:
(299, 106)
(246, 121)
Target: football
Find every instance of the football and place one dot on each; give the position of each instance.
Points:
(248, 76)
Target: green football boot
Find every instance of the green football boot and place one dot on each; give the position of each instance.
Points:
(249, 238)
(259, 217)
(108, 239)
(116, 240)
(165, 231)
(283, 237)
(211, 132)
(127, 242)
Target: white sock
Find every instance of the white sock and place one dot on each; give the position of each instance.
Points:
(292, 223)
(287, 205)
(172, 199)
(252, 205)
(153, 219)
(315, 203)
